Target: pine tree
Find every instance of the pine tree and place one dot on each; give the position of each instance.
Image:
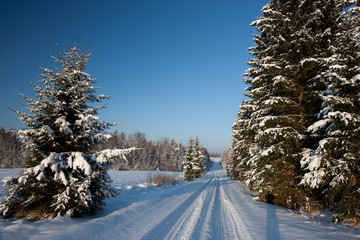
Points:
(188, 164)
(64, 175)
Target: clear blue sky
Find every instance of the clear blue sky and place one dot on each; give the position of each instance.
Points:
(174, 67)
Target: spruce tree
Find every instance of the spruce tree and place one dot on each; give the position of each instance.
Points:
(61, 118)
(206, 159)
(226, 159)
(285, 79)
(64, 175)
(297, 136)
(332, 167)
(267, 133)
(188, 164)
(198, 159)
(242, 164)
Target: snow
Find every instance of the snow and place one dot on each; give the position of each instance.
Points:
(64, 125)
(345, 117)
(308, 60)
(211, 207)
(356, 78)
(277, 101)
(318, 125)
(108, 154)
(267, 151)
(78, 161)
(337, 67)
(312, 162)
(314, 178)
(315, 163)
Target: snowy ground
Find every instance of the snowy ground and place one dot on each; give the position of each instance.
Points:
(213, 207)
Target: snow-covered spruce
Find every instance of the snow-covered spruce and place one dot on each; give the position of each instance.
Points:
(188, 164)
(227, 161)
(296, 137)
(196, 160)
(332, 165)
(64, 175)
(65, 184)
(61, 118)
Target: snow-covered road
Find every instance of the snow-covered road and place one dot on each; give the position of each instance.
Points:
(207, 213)
(212, 207)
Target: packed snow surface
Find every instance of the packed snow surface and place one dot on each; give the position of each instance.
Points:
(212, 207)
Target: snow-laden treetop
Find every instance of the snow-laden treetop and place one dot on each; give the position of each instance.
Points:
(61, 118)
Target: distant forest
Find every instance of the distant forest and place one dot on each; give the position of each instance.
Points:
(164, 155)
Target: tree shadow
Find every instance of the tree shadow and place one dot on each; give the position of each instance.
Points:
(150, 194)
(272, 223)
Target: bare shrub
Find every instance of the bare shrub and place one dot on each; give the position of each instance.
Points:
(162, 179)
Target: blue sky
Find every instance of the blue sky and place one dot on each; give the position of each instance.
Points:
(174, 67)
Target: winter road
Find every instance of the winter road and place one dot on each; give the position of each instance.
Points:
(208, 213)
(212, 207)
(216, 207)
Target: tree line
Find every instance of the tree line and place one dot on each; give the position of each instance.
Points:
(296, 138)
(163, 155)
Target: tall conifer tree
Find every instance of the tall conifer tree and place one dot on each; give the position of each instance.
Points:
(199, 159)
(64, 175)
(285, 79)
(333, 165)
(61, 119)
(188, 164)
(269, 122)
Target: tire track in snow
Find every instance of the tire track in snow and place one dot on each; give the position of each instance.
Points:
(209, 221)
(180, 224)
(185, 226)
(233, 227)
(206, 214)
